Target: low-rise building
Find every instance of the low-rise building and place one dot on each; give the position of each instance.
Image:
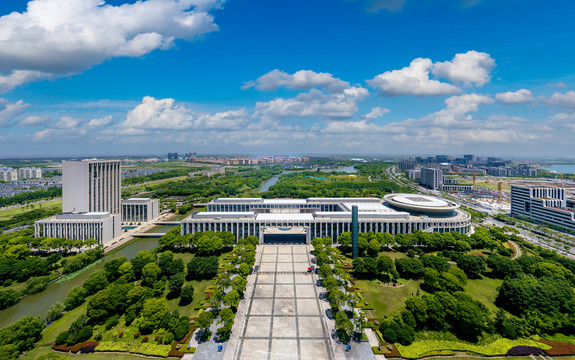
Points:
(304, 219)
(140, 210)
(101, 226)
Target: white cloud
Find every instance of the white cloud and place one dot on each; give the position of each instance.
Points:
(33, 121)
(9, 110)
(563, 100)
(66, 122)
(300, 80)
(412, 80)
(100, 122)
(517, 97)
(164, 114)
(315, 103)
(470, 68)
(457, 109)
(375, 113)
(55, 38)
(557, 85)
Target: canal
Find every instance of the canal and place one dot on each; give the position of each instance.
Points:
(38, 304)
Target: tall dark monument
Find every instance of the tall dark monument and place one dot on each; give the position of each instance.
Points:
(354, 229)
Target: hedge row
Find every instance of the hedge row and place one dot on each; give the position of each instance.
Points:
(136, 348)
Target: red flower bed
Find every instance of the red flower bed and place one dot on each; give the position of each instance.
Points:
(175, 352)
(84, 347)
(208, 295)
(62, 348)
(187, 336)
(145, 339)
(559, 348)
(393, 353)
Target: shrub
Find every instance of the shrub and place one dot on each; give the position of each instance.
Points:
(525, 351)
(136, 335)
(121, 334)
(85, 333)
(130, 317)
(62, 338)
(145, 339)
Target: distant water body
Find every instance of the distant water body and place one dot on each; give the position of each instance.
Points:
(563, 168)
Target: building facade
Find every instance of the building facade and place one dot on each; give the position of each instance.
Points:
(91, 202)
(30, 173)
(101, 226)
(432, 178)
(319, 217)
(542, 204)
(8, 174)
(140, 210)
(92, 186)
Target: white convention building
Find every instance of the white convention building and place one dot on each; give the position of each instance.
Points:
(300, 220)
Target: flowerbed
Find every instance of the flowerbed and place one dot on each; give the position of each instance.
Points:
(558, 348)
(525, 351)
(84, 347)
(135, 348)
(498, 347)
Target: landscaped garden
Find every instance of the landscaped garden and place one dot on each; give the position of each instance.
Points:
(430, 294)
(150, 305)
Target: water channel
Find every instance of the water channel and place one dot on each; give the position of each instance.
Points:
(38, 304)
(274, 179)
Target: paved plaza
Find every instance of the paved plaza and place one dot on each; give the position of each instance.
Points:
(283, 318)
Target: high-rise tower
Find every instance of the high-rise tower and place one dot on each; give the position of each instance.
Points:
(92, 186)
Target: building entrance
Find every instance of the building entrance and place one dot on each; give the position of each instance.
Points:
(284, 235)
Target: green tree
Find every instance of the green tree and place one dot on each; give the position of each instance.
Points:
(232, 298)
(472, 265)
(8, 298)
(127, 271)
(55, 312)
(373, 248)
(96, 282)
(75, 298)
(186, 295)
(150, 273)
(153, 313)
(175, 285)
(243, 269)
(344, 239)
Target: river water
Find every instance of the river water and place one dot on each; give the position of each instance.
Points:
(38, 304)
(561, 168)
(274, 179)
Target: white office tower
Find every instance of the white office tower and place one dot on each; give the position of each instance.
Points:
(91, 192)
(92, 186)
(30, 173)
(432, 178)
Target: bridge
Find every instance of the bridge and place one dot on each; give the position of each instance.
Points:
(167, 223)
(148, 235)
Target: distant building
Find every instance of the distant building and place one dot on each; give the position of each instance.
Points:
(542, 204)
(8, 174)
(414, 174)
(140, 210)
(173, 156)
(30, 173)
(431, 178)
(214, 170)
(469, 158)
(405, 165)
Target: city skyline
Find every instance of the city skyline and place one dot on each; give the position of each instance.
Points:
(248, 77)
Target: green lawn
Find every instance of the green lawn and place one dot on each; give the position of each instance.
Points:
(484, 290)
(386, 300)
(8, 213)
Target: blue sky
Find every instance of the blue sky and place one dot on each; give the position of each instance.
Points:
(81, 77)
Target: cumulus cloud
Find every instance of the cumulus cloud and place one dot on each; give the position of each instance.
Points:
(315, 103)
(300, 80)
(517, 97)
(470, 68)
(33, 121)
(375, 113)
(411, 80)
(10, 110)
(55, 38)
(563, 100)
(457, 109)
(165, 114)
